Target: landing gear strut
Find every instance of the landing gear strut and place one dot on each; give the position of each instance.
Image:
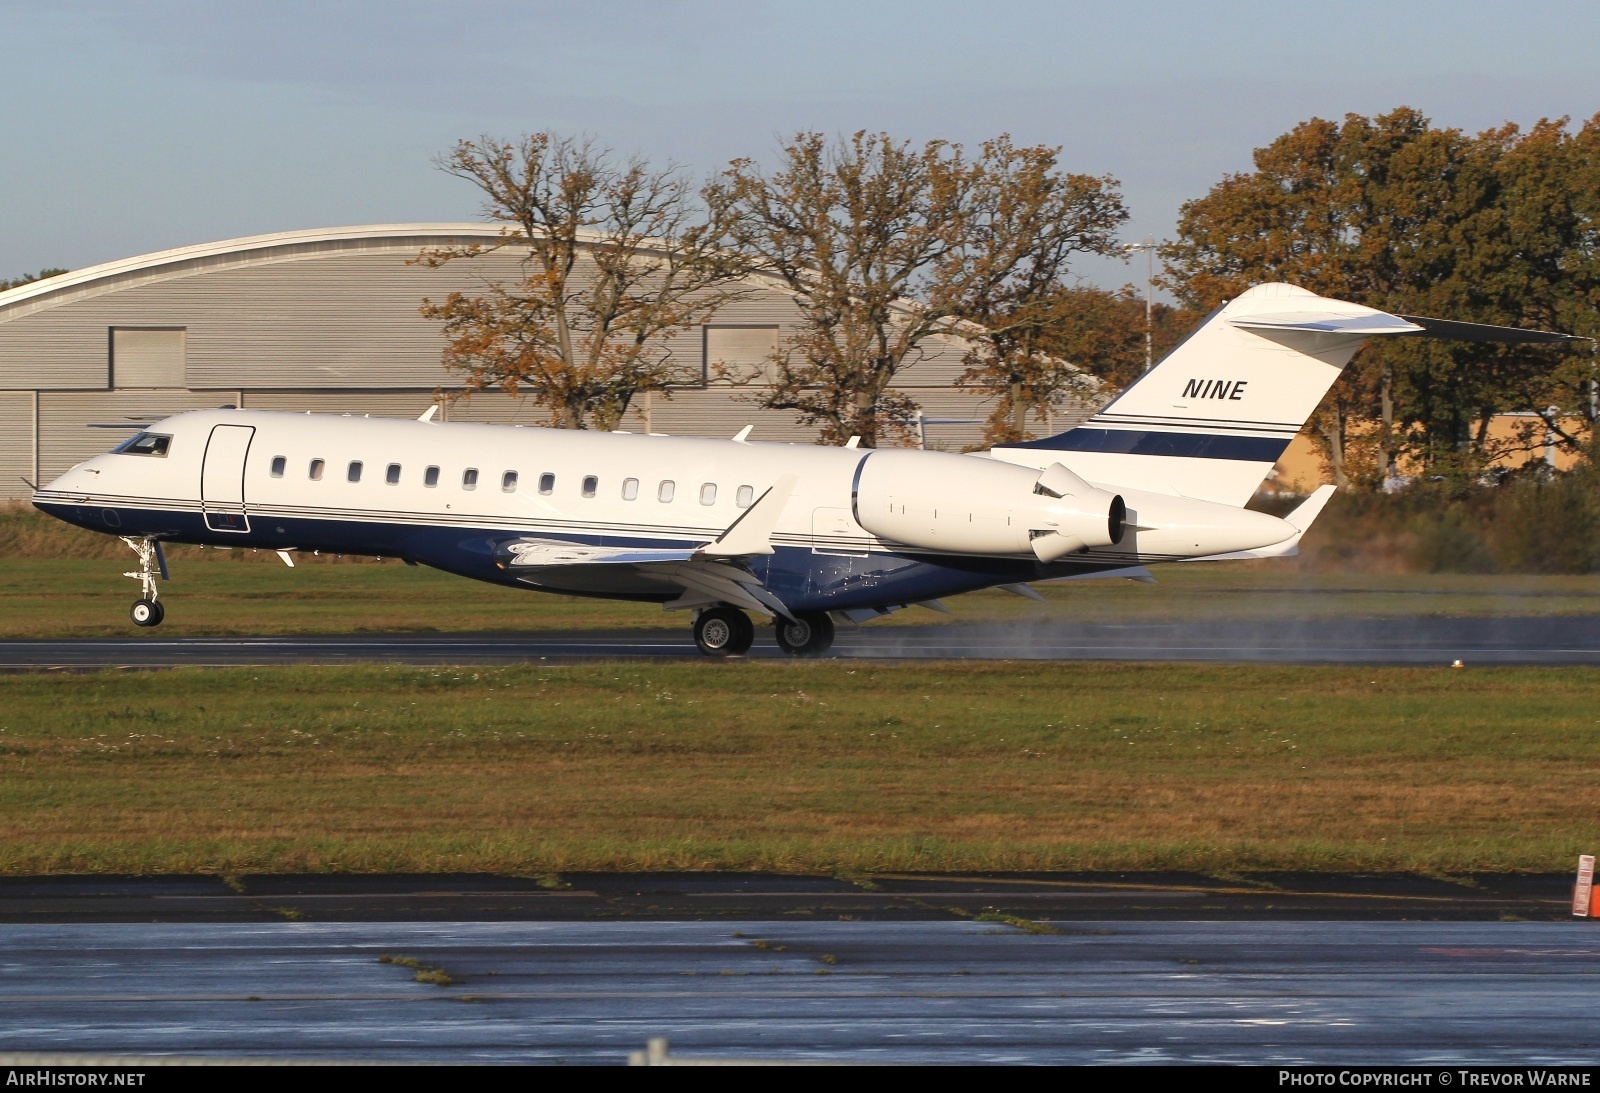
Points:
(809, 635)
(146, 611)
(724, 632)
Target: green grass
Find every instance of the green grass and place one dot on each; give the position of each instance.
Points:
(59, 581)
(211, 594)
(798, 766)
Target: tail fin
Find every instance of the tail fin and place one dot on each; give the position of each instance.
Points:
(1216, 413)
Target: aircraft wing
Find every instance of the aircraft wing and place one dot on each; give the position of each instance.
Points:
(647, 572)
(539, 554)
(702, 576)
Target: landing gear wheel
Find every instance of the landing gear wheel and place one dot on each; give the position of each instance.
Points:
(724, 632)
(809, 635)
(147, 613)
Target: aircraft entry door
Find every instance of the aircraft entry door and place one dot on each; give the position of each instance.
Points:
(222, 478)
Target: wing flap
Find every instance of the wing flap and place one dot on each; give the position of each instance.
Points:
(645, 571)
(531, 554)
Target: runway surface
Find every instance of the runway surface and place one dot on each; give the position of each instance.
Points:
(1478, 641)
(903, 992)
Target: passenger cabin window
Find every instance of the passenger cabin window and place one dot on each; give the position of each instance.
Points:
(666, 490)
(469, 478)
(392, 475)
(315, 471)
(430, 477)
(144, 444)
(278, 464)
(547, 483)
(590, 485)
(745, 495)
(354, 473)
(508, 482)
(708, 493)
(630, 489)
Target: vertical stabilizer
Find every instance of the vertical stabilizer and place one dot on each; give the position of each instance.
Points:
(1213, 416)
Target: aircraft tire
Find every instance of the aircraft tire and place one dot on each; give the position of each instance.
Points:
(147, 613)
(724, 632)
(810, 635)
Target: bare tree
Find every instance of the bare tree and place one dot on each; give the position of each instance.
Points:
(884, 245)
(1031, 221)
(617, 256)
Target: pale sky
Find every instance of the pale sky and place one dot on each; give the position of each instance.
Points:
(139, 125)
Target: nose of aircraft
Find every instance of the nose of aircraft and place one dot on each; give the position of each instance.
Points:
(83, 478)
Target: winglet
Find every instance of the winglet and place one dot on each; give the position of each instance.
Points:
(751, 533)
(428, 414)
(743, 434)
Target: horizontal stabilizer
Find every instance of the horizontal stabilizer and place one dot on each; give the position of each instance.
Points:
(1478, 332)
(1373, 322)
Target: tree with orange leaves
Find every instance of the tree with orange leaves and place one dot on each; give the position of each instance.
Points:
(616, 256)
(1398, 214)
(883, 245)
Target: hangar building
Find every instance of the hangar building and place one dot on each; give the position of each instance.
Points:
(327, 321)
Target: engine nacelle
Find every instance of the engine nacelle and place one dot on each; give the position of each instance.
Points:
(973, 505)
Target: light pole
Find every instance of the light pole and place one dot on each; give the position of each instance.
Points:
(1149, 247)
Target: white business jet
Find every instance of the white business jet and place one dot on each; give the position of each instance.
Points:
(799, 534)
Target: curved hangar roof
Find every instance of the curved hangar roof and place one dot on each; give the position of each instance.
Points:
(325, 308)
(275, 246)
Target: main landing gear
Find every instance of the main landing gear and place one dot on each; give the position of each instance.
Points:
(146, 611)
(724, 631)
(810, 634)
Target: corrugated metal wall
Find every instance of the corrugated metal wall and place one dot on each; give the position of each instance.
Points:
(16, 442)
(65, 437)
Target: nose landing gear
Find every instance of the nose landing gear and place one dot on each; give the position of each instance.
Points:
(146, 611)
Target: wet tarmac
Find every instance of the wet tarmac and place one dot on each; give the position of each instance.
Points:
(1437, 640)
(810, 991)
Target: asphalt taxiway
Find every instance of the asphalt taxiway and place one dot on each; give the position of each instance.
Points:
(884, 992)
(314, 897)
(1573, 640)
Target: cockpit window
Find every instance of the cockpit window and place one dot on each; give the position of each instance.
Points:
(144, 444)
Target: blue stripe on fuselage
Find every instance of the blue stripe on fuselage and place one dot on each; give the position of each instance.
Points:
(1258, 449)
(803, 579)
